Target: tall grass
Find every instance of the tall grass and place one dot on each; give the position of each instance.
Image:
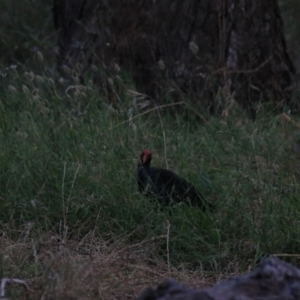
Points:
(68, 165)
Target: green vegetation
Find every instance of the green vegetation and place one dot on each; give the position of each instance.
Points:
(67, 161)
(68, 175)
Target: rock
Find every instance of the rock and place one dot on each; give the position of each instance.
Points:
(272, 280)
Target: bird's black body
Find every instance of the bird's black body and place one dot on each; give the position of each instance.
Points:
(166, 186)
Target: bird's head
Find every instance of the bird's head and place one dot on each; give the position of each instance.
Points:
(146, 157)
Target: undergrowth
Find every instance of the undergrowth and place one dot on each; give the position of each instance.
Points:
(68, 165)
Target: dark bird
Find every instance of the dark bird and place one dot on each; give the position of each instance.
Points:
(166, 186)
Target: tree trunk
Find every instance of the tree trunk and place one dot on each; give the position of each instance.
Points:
(205, 50)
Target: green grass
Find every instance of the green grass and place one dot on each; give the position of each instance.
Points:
(67, 162)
